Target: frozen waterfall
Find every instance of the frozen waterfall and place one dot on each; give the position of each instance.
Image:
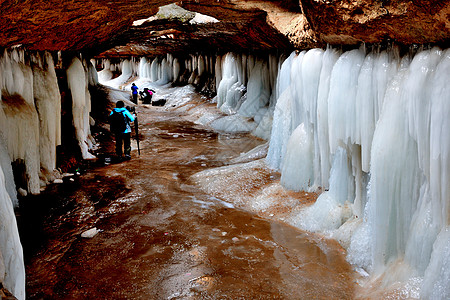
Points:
(380, 122)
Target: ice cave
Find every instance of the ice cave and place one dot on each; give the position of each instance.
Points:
(339, 114)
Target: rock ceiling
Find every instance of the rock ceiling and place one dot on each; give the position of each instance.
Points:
(106, 26)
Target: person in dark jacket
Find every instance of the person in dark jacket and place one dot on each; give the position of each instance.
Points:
(125, 136)
(134, 91)
(147, 96)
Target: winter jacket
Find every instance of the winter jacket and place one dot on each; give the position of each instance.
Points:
(129, 117)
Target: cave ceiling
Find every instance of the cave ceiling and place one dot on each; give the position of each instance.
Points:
(117, 28)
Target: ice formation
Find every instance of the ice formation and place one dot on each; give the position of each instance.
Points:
(81, 106)
(105, 76)
(48, 104)
(30, 131)
(380, 114)
(245, 84)
(12, 270)
(19, 121)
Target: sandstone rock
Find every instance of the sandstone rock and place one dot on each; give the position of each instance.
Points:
(97, 26)
(352, 22)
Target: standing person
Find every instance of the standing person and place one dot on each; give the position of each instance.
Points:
(134, 91)
(120, 119)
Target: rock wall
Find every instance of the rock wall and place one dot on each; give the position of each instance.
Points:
(124, 28)
(345, 22)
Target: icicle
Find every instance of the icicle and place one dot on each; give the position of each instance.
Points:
(48, 105)
(281, 130)
(81, 106)
(258, 90)
(297, 168)
(11, 253)
(329, 59)
(19, 123)
(342, 101)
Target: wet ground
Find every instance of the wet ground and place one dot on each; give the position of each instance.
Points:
(161, 237)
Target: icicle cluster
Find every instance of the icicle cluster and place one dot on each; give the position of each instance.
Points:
(196, 70)
(30, 131)
(30, 114)
(245, 90)
(372, 129)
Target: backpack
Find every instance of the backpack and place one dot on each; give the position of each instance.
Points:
(117, 122)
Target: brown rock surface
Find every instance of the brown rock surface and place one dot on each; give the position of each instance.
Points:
(373, 21)
(99, 25)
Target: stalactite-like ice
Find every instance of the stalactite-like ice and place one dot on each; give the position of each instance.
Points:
(231, 88)
(5, 165)
(258, 90)
(245, 86)
(126, 68)
(19, 122)
(166, 70)
(281, 130)
(144, 68)
(106, 74)
(329, 59)
(81, 106)
(48, 105)
(296, 169)
(11, 253)
(331, 209)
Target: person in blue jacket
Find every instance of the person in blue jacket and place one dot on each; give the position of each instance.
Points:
(125, 136)
(134, 91)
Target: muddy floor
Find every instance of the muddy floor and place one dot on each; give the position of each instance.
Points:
(161, 237)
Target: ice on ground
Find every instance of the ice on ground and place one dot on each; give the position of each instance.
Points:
(254, 154)
(236, 178)
(90, 233)
(233, 124)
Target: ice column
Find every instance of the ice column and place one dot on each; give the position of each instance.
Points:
(410, 170)
(48, 105)
(126, 67)
(81, 105)
(12, 270)
(19, 122)
(231, 87)
(329, 59)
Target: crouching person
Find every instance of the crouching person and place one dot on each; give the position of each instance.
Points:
(120, 119)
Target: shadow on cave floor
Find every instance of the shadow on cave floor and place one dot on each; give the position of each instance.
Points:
(161, 237)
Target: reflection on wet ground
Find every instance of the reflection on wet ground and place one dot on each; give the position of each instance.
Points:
(161, 237)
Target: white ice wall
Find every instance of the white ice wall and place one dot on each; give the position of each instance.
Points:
(372, 113)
